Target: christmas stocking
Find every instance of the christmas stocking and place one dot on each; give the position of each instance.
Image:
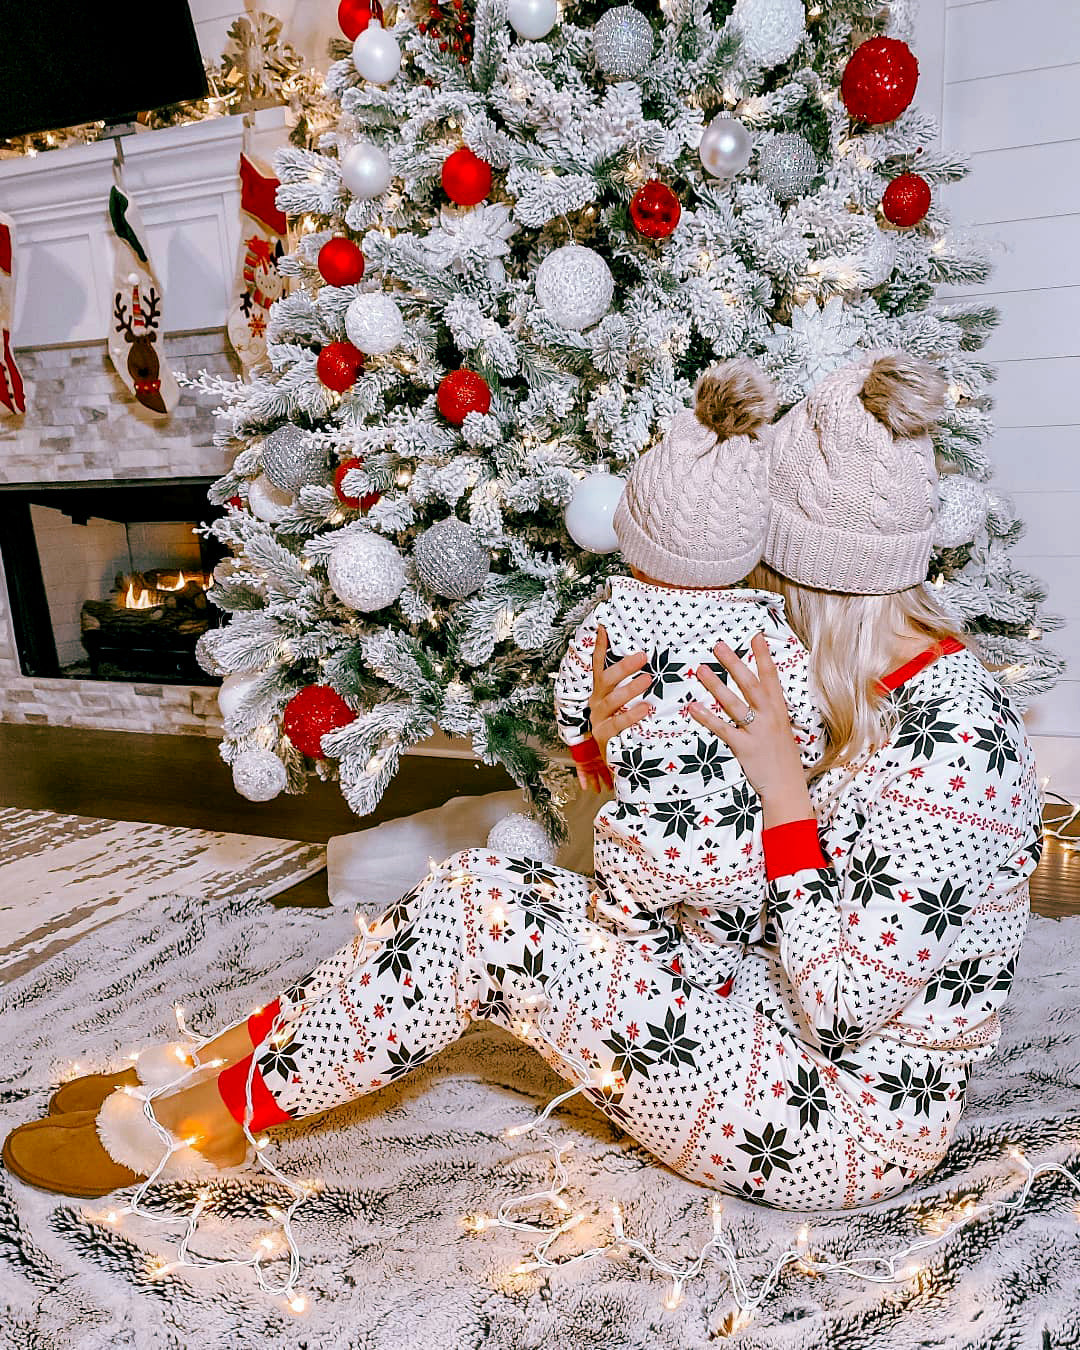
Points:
(262, 242)
(135, 325)
(12, 401)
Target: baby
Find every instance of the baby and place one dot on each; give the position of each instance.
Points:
(683, 834)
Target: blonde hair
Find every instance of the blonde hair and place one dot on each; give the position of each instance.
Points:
(851, 640)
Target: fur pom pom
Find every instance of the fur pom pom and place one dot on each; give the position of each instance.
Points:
(905, 394)
(735, 398)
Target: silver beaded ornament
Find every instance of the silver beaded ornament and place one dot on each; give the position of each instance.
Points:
(787, 165)
(366, 571)
(258, 775)
(450, 559)
(291, 458)
(962, 508)
(623, 42)
(374, 323)
(521, 836)
(574, 285)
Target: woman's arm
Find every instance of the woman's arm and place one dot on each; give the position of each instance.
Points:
(860, 939)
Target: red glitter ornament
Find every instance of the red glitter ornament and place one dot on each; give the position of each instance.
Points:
(338, 365)
(466, 178)
(907, 199)
(655, 210)
(310, 714)
(341, 262)
(238, 502)
(879, 80)
(362, 504)
(353, 16)
(460, 393)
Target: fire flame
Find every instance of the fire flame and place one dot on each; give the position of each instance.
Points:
(144, 599)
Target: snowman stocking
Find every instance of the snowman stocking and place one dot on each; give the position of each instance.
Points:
(12, 400)
(135, 326)
(262, 242)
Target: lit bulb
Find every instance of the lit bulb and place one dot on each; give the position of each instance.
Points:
(910, 1272)
(298, 1303)
(262, 1143)
(112, 1216)
(498, 914)
(674, 1295)
(802, 1238)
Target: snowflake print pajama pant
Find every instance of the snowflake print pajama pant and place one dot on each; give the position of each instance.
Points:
(712, 1087)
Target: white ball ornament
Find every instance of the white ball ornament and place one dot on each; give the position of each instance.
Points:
(521, 836)
(532, 19)
(574, 285)
(623, 42)
(771, 30)
(365, 170)
(450, 559)
(258, 775)
(234, 689)
(366, 571)
(374, 323)
(962, 509)
(266, 501)
(725, 147)
(376, 54)
(591, 512)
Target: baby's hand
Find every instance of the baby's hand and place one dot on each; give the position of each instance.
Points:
(593, 780)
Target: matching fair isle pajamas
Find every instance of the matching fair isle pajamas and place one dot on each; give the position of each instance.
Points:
(831, 1072)
(683, 834)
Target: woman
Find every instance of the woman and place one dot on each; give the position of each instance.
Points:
(824, 1068)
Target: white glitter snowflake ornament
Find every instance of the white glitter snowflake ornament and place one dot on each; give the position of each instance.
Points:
(471, 238)
(818, 341)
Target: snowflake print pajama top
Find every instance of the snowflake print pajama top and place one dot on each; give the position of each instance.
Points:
(824, 1067)
(683, 834)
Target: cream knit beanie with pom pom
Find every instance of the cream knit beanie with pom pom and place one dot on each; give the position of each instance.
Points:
(853, 480)
(695, 507)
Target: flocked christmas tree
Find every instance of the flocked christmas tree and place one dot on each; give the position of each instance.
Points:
(533, 226)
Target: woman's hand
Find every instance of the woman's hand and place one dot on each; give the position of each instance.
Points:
(610, 696)
(759, 733)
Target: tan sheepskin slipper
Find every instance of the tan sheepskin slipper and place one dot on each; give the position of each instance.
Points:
(157, 1065)
(63, 1154)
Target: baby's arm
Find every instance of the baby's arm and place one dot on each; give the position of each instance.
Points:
(573, 689)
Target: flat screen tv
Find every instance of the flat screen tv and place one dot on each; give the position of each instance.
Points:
(63, 62)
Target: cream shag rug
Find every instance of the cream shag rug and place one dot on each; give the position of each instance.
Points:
(387, 1265)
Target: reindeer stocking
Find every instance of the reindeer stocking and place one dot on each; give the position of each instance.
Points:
(12, 401)
(257, 284)
(135, 327)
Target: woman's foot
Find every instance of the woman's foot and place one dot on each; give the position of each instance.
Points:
(199, 1114)
(159, 1064)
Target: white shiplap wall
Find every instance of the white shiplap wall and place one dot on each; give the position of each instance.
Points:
(1010, 99)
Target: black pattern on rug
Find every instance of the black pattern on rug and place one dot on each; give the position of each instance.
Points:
(387, 1263)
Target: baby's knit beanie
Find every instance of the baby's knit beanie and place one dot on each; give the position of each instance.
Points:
(695, 507)
(853, 480)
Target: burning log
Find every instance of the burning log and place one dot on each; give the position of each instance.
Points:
(150, 625)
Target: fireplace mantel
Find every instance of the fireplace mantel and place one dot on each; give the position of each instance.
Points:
(185, 182)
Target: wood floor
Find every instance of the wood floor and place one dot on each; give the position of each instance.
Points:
(180, 780)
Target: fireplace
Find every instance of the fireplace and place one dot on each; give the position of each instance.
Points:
(107, 580)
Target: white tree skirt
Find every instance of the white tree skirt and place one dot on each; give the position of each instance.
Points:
(387, 1264)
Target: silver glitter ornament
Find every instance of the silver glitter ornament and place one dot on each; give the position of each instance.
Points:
(373, 323)
(258, 775)
(521, 836)
(205, 656)
(623, 42)
(725, 146)
(574, 285)
(291, 458)
(1000, 513)
(450, 559)
(770, 29)
(962, 509)
(366, 571)
(787, 165)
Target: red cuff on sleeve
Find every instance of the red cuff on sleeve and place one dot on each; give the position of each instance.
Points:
(259, 1023)
(587, 754)
(232, 1085)
(793, 847)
